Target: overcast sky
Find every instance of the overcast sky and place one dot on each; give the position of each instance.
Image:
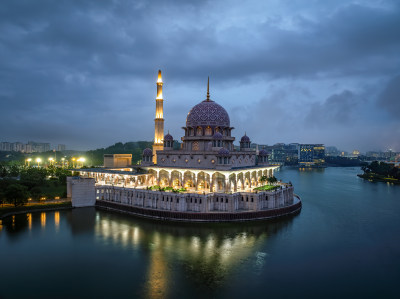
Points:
(83, 73)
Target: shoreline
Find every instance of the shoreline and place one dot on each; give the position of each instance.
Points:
(34, 208)
(374, 178)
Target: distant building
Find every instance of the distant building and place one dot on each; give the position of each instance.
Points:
(117, 160)
(6, 146)
(61, 147)
(311, 154)
(39, 147)
(332, 151)
(286, 154)
(15, 147)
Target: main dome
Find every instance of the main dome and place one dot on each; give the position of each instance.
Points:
(207, 113)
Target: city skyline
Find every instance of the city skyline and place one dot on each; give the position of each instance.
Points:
(84, 75)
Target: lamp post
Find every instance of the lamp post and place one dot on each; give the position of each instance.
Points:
(73, 162)
(62, 161)
(38, 160)
(82, 160)
(51, 161)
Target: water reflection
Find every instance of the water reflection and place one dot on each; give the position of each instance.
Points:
(207, 253)
(29, 218)
(43, 219)
(57, 220)
(82, 220)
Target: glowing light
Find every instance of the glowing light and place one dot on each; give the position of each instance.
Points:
(159, 79)
(43, 219)
(57, 219)
(29, 220)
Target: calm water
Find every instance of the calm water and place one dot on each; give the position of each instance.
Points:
(344, 243)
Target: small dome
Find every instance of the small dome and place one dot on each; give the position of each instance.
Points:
(223, 152)
(147, 152)
(168, 137)
(263, 152)
(245, 138)
(217, 135)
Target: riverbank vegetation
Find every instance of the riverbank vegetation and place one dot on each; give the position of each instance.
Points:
(21, 184)
(381, 172)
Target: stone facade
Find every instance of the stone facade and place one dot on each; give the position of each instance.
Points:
(82, 191)
(195, 202)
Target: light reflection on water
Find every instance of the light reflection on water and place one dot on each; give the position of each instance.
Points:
(208, 253)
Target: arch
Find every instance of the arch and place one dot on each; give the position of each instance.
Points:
(188, 179)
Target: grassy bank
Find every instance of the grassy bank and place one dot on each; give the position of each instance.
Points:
(31, 207)
(378, 178)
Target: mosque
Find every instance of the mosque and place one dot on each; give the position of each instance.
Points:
(207, 179)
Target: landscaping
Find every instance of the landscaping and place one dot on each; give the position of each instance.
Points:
(21, 184)
(266, 188)
(166, 189)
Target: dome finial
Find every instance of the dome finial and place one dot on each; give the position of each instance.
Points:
(208, 89)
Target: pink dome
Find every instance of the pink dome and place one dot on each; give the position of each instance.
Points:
(168, 137)
(207, 113)
(147, 152)
(223, 152)
(217, 135)
(245, 138)
(263, 152)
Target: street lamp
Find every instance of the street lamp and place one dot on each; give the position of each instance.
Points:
(51, 161)
(38, 160)
(28, 160)
(63, 159)
(82, 160)
(73, 162)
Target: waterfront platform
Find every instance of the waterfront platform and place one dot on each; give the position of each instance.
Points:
(237, 216)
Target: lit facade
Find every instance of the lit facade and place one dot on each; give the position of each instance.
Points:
(159, 120)
(206, 175)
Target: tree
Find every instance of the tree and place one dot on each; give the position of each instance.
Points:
(36, 192)
(2, 197)
(263, 179)
(17, 194)
(272, 180)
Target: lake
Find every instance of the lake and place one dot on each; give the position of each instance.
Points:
(344, 243)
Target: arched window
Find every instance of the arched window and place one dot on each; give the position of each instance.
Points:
(208, 131)
(199, 131)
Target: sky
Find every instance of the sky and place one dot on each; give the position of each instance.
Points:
(83, 73)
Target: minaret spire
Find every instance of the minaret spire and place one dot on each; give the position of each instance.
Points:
(159, 120)
(208, 89)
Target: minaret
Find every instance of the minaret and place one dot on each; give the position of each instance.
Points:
(159, 120)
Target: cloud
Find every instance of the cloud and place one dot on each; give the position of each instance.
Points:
(390, 98)
(89, 66)
(338, 109)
